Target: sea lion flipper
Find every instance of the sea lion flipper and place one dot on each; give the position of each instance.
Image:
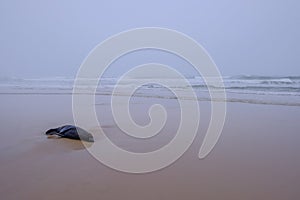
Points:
(52, 131)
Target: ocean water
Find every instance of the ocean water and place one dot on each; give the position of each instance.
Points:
(272, 90)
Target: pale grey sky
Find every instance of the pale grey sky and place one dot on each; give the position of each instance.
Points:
(51, 38)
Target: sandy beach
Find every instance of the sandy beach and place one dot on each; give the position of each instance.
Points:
(257, 156)
(177, 100)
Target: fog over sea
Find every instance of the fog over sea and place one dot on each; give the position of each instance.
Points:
(275, 90)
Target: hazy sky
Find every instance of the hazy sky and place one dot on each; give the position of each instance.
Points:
(51, 38)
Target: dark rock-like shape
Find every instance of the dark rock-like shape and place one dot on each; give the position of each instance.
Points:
(72, 132)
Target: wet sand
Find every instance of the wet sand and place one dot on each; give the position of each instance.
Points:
(257, 156)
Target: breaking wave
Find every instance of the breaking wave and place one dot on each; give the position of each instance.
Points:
(278, 90)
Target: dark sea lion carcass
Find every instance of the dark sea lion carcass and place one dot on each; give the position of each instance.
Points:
(72, 132)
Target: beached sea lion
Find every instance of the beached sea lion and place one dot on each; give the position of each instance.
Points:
(73, 132)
